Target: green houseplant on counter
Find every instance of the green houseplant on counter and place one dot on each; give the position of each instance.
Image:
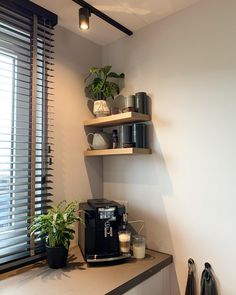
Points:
(101, 85)
(56, 228)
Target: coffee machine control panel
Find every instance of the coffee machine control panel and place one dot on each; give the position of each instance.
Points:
(107, 213)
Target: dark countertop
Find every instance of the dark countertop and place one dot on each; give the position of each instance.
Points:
(79, 278)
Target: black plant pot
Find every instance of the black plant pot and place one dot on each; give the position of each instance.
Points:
(56, 256)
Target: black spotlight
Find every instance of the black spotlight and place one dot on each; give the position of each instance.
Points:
(84, 14)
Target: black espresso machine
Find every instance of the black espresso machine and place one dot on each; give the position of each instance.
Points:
(98, 236)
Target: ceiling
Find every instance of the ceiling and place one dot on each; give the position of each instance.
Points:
(134, 14)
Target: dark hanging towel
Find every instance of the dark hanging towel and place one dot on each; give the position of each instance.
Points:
(190, 287)
(208, 283)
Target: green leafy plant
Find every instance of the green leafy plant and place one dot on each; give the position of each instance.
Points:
(56, 226)
(100, 83)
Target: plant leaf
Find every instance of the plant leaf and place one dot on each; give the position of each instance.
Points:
(114, 88)
(97, 85)
(115, 75)
(89, 91)
(107, 90)
(105, 70)
(89, 75)
(94, 70)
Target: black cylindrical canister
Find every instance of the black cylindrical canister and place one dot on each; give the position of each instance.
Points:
(139, 135)
(126, 136)
(141, 102)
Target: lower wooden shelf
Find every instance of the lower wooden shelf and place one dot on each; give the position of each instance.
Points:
(114, 152)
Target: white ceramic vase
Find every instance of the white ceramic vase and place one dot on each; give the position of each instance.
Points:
(100, 108)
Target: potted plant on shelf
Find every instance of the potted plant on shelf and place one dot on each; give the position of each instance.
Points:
(100, 86)
(56, 228)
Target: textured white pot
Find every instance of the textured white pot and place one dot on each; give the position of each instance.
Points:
(100, 108)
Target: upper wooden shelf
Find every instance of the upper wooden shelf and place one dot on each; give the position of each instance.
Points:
(112, 120)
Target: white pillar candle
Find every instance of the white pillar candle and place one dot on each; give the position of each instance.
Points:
(139, 246)
(139, 251)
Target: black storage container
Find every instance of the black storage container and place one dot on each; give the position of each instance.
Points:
(139, 135)
(141, 102)
(126, 139)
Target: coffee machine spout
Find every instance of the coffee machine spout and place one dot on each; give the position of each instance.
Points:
(125, 220)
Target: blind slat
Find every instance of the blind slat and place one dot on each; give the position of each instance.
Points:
(23, 177)
(22, 74)
(23, 156)
(19, 184)
(23, 135)
(24, 68)
(24, 204)
(16, 219)
(11, 233)
(15, 242)
(14, 22)
(26, 197)
(23, 191)
(17, 250)
(13, 214)
(27, 64)
(10, 39)
(24, 81)
(9, 228)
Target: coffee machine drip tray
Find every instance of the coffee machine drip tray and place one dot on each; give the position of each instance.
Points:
(96, 259)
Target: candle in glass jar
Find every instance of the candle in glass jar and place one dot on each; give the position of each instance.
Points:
(139, 246)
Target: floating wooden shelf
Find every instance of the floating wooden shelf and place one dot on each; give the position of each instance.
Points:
(113, 152)
(129, 117)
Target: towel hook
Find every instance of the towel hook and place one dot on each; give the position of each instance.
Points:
(207, 265)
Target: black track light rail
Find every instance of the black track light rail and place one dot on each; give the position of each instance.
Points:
(104, 17)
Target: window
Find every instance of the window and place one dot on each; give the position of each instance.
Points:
(7, 84)
(26, 77)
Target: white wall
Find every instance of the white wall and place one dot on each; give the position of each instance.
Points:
(74, 178)
(186, 189)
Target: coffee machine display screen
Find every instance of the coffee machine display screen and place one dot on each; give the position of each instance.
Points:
(107, 213)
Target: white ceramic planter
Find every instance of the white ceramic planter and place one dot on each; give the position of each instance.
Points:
(100, 108)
